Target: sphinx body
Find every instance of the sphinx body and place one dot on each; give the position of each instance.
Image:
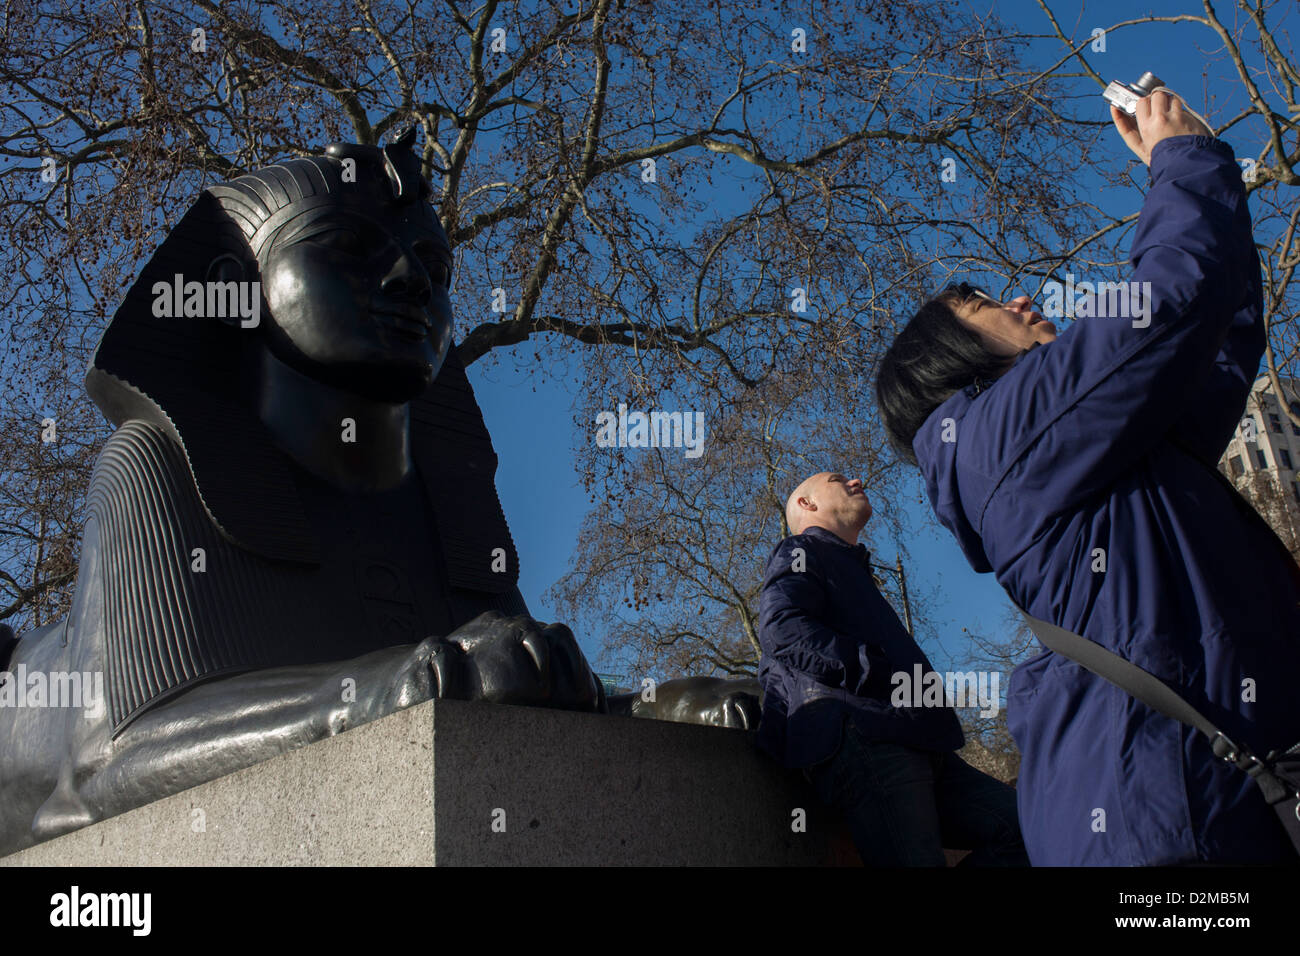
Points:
(209, 671)
(295, 527)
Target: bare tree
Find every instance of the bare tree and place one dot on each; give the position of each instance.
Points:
(670, 560)
(46, 456)
(578, 148)
(625, 552)
(693, 200)
(1263, 121)
(989, 744)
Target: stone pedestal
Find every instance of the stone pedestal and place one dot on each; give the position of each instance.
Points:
(457, 783)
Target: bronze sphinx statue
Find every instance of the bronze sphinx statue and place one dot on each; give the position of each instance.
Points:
(295, 527)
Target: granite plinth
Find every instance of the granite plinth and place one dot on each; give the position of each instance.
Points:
(466, 783)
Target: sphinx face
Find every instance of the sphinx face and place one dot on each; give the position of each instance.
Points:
(358, 297)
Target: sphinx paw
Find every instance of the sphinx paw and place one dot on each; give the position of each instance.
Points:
(515, 660)
(61, 813)
(714, 701)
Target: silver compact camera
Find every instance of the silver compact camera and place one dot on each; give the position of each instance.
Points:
(1125, 95)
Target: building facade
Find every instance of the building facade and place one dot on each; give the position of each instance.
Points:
(1264, 454)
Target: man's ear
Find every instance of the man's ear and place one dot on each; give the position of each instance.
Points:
(228, 268)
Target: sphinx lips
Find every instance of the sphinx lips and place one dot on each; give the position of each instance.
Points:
(403, 325)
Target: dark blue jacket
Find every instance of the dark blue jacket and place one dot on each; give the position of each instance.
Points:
(1083, 478)
(830, 643)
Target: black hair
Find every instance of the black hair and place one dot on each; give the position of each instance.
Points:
(933, 357)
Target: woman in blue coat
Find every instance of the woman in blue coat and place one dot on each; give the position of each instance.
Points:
(1080, 469)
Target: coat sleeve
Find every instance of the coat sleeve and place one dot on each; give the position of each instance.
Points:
(791, 624)
(1216, 407)
(1071, 417)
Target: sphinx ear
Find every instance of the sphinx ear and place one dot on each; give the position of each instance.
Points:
(228, 268)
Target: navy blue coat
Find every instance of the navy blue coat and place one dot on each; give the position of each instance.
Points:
(830, 644)
(1083, 478)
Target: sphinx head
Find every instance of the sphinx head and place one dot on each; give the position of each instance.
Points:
(353, 266)
(351, 262)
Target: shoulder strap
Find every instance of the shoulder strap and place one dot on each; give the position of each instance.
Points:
(1125, 675)
(1159, 696)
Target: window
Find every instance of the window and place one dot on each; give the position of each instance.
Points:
(1236, 465)
(1295, 410)
(1261, 457)
(1275, 422)
(1286, 458)
(1295, 490)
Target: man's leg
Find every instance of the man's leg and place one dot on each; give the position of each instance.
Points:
(978, 813)
(886, 793)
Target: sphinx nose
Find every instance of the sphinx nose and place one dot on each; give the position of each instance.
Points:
(406, 281)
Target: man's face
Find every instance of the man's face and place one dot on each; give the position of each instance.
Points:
(1007, 329)
(358, 298)
(838, 498)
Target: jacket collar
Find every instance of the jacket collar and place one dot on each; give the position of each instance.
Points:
(821, 534)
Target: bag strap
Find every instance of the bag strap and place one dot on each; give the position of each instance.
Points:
(1124, 674)
(1157, 695)
(1281, 790)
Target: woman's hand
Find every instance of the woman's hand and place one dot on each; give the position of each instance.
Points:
(1159, 116)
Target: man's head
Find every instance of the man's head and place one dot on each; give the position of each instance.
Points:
(354, 267)
(959, 338)
(831, 501)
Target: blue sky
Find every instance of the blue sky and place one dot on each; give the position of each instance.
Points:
(531, 421)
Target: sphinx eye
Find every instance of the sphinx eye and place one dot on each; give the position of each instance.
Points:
(342, 240)
(434, 264)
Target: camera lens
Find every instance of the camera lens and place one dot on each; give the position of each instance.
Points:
(1149, 82)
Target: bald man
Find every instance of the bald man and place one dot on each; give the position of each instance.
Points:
(831, 644)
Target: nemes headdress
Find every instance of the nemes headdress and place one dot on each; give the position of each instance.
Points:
(262, 202)
(184, 374)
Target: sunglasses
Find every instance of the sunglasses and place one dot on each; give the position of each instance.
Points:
(968, 292)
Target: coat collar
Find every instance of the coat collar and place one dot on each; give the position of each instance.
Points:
(821, 534)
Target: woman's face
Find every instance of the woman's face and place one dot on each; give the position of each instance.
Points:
(1007, 329)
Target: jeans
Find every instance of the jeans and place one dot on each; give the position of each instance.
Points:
(904, 806)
